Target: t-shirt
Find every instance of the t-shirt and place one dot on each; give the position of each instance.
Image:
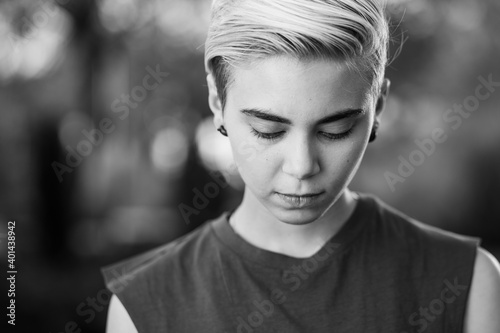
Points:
(381, 272)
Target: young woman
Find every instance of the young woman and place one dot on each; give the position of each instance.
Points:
(297, 86)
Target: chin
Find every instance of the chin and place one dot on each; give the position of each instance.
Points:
(297, 216)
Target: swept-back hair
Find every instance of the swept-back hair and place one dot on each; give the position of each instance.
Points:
(242, 31)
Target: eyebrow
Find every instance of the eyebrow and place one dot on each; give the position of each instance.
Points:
(267, 115)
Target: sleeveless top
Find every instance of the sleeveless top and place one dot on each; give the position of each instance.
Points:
(381, 272)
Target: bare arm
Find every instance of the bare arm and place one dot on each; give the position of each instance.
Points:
(484, 299)
(118, 319)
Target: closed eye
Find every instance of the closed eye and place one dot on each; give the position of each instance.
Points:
(267, 136)
(276, 135)
(337, 136)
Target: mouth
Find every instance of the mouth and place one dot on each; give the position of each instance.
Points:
(299, 200)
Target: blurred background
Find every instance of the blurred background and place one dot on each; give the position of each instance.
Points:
(107, 141)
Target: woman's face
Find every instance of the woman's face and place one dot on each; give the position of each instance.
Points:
(298, 128)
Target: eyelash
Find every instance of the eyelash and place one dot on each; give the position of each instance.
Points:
(277, 135)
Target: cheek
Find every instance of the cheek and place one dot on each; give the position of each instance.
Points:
(248, 156)
(342, 161)
(354, 158)
(256, 174)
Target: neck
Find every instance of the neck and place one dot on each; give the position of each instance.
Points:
(254, 223)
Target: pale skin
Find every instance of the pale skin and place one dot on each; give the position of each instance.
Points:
(308, 156)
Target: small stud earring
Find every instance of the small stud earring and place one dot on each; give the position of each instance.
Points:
(373, 135)
(222, 130)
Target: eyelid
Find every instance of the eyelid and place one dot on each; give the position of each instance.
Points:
(334, 127)
(273, 136)
(337, 136)
(340, 125)
(267, 136)
(269, 126)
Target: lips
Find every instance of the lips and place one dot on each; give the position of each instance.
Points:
(299, 201)
(300, 195)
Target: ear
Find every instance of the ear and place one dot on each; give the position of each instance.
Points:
(382, 97)
(214, 101)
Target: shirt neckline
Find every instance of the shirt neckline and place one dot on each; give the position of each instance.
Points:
(339, 242)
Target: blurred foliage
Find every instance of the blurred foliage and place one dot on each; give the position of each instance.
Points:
(65, 66)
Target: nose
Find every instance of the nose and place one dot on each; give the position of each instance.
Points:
(300, 159)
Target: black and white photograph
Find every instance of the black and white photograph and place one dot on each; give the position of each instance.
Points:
(250, 166)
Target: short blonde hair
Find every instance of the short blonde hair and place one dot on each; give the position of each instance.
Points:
(242, 31)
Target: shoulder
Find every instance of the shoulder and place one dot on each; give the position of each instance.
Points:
(441, 255)
(484, 297)
(415, 233)
(421, 250)
(174, 257)
(151, 284)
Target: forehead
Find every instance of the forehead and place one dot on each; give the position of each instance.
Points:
(290, 86)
